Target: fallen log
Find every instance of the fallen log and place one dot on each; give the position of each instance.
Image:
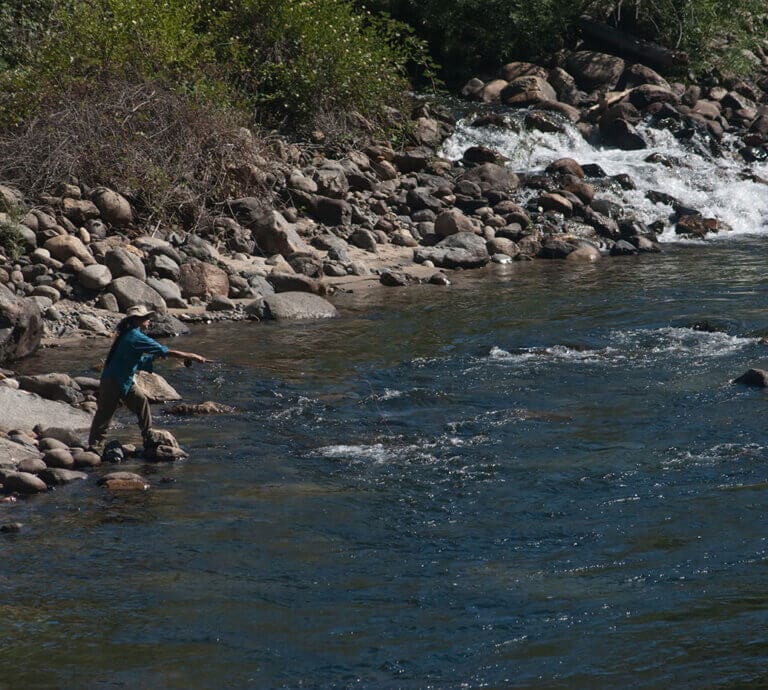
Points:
(646, 52)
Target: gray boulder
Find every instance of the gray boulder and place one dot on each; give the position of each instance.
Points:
(331, 181)
(155, 387)
(59, 457)
(289, 306)
(121, 262)
(58, 476)
(24, 483)
(290, 282)
(166, 326)
(451, 222)
(754, 377)
(331, 211)
(463, 250)
(95, 277)
(130, 291)
(593, 70)
(169, 291)
(21, 326)
(20, 407)
(113, 207)
(204, 280)
(492, 177)
(61, 387)
(164, 266)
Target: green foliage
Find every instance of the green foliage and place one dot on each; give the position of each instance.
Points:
(297, 59)
(482, 34)
(11, 241)
(22, 26)
(471, 35)
(101, 39)
(713, 32)
(143, 38)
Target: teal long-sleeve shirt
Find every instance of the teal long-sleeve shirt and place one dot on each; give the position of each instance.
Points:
(135, 350)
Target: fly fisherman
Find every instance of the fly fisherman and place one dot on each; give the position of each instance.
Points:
(131, 351)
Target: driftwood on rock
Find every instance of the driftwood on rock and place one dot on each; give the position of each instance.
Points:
(644, 51)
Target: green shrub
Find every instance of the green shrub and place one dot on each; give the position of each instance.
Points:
(471, 35)
(11, 241)
(143, 38)
(297, 59)
(22, 26)
(131, 39)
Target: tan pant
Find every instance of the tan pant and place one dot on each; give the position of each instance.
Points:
(110, 396)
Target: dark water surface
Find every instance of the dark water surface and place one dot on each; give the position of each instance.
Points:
(540, 477)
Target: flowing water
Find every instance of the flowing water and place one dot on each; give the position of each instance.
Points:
(539, 477)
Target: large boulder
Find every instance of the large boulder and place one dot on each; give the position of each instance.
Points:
(25, 457)
(331, 180)
(79, 211)
(10, 199)
(21, 326)
(95, 277)
(63, 247)
(528, 90)
(169, 291)
(646, 94)
(462, 250)
(275, 235)
(622, 134)
(155, 387)
(114, 208)
(289, 306)
(53, 386)
(492, 177)
(130, 291)
(754, 377)
(23, 483)
(328, 211)
(290, 282)
(204, 280)
(593, 70)
(121, 262)
(451, 222)
(20, 407)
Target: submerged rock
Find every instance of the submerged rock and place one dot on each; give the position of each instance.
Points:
(754, 377)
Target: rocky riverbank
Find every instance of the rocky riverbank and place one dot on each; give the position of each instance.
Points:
(74, 260)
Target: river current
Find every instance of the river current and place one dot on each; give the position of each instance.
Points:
(541, 476)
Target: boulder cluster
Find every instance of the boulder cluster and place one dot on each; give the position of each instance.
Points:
(372, 212)
(54, 451)
(606, 96)
(76, 259)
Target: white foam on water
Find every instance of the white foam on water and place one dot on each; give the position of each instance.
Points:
(716, 455)
(376, 452)
(715, 186)
(551, 353)
(683, 342)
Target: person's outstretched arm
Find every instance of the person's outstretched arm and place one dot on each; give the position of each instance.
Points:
(178, 354)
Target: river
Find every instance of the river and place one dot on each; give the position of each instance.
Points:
(541, 476)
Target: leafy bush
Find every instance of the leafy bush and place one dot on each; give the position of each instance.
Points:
(713, 32)
(22, 26)
(132, 39)
(471, 35)
(300, 59)
(11, 241)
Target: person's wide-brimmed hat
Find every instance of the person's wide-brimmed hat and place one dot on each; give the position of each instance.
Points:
(139, 310)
